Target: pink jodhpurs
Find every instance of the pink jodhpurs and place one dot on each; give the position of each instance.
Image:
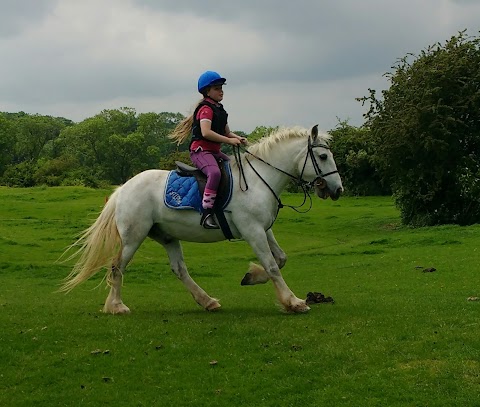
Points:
(206, 162)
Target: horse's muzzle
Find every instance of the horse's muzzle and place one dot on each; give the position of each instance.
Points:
(323, 191)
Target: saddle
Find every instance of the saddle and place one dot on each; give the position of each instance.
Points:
(224, 191)
(185, 188)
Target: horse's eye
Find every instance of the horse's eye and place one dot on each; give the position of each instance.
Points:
(323, 156)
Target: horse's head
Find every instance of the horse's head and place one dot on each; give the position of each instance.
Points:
(320, 167)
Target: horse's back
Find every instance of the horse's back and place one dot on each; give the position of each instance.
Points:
(143, 192)
(147, 177)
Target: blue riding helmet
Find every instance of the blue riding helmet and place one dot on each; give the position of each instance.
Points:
(209, 78)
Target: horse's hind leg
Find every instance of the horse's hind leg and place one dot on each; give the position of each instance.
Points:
(175, 255)
(114, 303)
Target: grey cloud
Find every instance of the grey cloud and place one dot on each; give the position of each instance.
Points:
(264, 47)
(311, 40)
(15, 16)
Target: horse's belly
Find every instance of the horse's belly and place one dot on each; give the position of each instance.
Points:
(185, 225)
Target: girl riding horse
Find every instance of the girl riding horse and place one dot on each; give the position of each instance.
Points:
(209, 128)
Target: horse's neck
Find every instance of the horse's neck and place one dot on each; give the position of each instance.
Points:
(283, 157)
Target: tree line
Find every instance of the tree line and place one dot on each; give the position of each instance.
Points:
(420, 140)
(108, 148)
(116, 144)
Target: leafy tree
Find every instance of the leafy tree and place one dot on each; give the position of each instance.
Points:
(427, 133)
(33, 134)
(8, 138)
(156, 127)
(259, 132)
(123, 157)
(87, 141)
(120, 121)
(354, 152)
(24, 140)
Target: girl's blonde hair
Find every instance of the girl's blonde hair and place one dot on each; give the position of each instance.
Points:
(183, 131)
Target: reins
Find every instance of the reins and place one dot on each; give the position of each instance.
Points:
(303, 185)
(241, 175)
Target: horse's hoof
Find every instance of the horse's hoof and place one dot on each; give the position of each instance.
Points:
(213, 306)
(255, 275)
(122, 310)
(247, 279)
(300, 307)
(116, 309)
(303, 309)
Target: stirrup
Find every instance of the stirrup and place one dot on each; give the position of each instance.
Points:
(208, 221)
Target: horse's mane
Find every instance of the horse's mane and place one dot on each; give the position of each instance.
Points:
(265, 144)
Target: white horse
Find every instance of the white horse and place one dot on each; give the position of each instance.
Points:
(137, 210)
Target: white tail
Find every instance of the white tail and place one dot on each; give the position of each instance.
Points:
(98, 246)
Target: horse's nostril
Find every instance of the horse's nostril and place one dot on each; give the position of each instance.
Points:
(320, 183)
(337, 193)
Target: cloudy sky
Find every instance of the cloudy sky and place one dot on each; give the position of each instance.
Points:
(287, 63)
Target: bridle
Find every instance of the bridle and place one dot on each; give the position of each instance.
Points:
(319, 181)
(316, 166)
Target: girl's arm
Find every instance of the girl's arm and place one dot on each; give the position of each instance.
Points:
(209, 134)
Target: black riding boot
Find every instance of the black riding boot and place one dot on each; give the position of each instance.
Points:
(208, 220)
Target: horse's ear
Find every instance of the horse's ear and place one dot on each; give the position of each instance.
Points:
(315, 132)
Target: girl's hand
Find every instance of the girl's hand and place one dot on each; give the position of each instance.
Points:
(234, 141)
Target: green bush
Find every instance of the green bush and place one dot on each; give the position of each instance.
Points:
(427, 134)
(354, 153)
(53, 172)
(20, 175)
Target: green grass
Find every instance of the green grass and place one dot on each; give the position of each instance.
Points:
(396, 336)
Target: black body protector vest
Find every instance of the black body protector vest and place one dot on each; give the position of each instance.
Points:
(219, 121)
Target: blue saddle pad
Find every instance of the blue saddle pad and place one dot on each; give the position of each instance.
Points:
(183, 192)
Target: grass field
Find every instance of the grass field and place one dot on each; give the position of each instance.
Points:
(396, 335)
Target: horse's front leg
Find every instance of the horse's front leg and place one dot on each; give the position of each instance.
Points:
(259, 242)
(256, 274)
